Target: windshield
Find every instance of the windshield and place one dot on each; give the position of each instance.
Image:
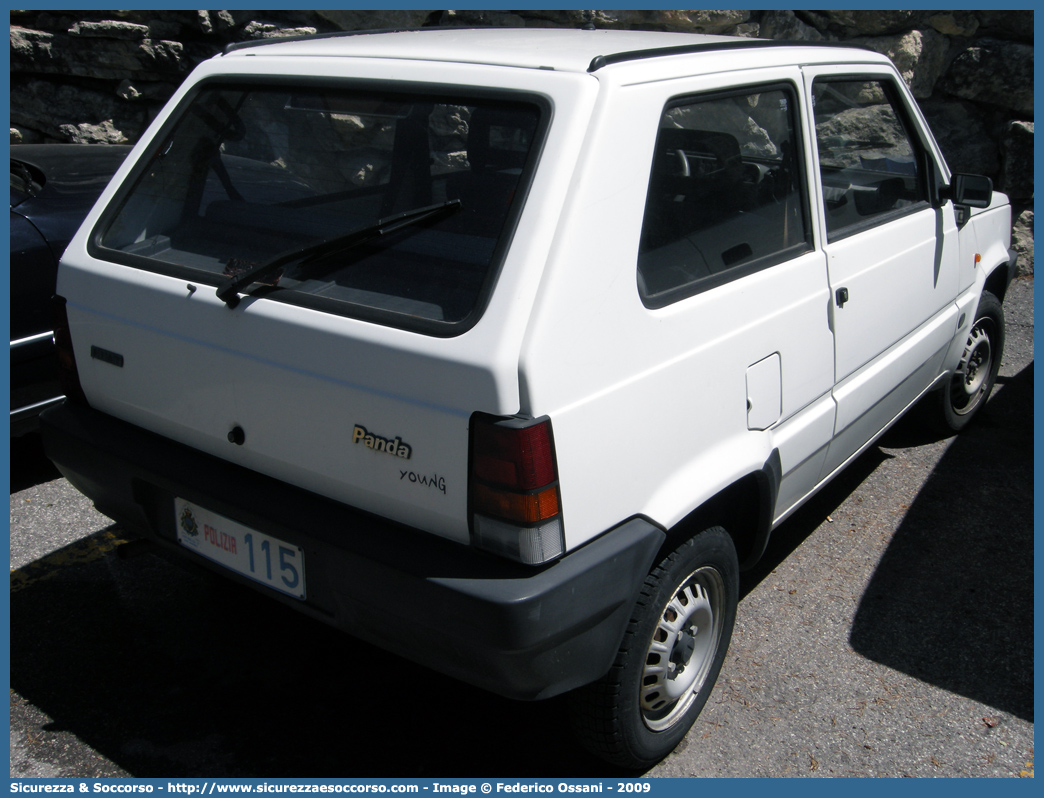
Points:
(248, 172)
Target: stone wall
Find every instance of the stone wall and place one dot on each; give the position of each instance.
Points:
(102, 76)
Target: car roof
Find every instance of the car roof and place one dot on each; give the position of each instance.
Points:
(533, 48)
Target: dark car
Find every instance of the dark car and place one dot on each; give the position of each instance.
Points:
(53, 186)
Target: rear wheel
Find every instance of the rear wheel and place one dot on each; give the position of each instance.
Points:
(970, 386)
(669, 658)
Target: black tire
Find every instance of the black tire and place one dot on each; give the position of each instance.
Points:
(967, 390)
(669, 658)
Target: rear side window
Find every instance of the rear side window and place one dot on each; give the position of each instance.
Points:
(249, 173)
(726, 194)
(870, 166)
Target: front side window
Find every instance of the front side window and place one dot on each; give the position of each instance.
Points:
(869, 164)
(393, 207)
(726, 193)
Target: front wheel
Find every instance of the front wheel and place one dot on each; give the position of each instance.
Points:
(970, 386)
(670, 656)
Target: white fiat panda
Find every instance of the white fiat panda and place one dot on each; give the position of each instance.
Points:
(506, 350)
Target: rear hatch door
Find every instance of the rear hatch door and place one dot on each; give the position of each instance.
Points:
(294, 276)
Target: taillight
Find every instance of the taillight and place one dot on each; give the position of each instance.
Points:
(68, 376)
(513, 491)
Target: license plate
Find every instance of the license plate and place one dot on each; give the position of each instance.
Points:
(246, 551)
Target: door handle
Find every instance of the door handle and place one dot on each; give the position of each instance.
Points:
(841, 295)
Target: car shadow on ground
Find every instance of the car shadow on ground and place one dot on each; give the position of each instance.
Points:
(29, 464)
(170, 672)
(951, 601)
(166, 671)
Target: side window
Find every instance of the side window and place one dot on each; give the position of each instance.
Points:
(726, 195)
(869, 164)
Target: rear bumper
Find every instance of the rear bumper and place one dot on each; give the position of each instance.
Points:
(522, 632)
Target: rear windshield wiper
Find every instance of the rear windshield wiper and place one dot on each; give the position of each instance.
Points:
(228, 291)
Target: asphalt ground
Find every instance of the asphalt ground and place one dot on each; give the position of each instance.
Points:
(887, 632)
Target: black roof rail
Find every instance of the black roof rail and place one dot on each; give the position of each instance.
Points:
(600, 61)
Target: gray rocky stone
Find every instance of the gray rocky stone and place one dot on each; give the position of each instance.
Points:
(127, 91)
(492, 19)
(266, 30)
(1007, 24)
(104, 132)
(785, 26)
(374, 20)
(20, 135)
(920, 57)
(954, 23)
(748, 30)
(962, 136)
(995, 72)
(41, 53)
(865, 23)
(74, 114)
(34, 48)
(712, 22)
(110, 29)
(1017, 149)
(1022, 240)
(164, 29)
(102, 75)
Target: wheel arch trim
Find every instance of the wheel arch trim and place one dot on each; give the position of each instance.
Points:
(744, 507)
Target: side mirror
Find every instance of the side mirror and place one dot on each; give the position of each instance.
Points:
(975, 191)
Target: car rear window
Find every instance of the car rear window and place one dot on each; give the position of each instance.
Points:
(247, 173)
